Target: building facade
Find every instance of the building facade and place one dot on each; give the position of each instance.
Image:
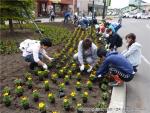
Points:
(86, 6)
(43, 7)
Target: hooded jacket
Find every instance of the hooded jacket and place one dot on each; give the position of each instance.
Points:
(115, 60)
(133, 54)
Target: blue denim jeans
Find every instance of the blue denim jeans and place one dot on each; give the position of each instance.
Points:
(29, 58)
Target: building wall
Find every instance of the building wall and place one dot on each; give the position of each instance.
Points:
(44, 6)
(146, 7)
(86, 5)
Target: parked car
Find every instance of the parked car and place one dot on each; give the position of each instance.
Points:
(145, 16)
(131, 15)
(138, 15)
(126, 15)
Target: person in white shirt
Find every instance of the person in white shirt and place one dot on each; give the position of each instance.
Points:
(87, 51)
(133, 51)
(33, 51)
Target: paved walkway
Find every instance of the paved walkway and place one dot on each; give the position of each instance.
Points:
(60, 19)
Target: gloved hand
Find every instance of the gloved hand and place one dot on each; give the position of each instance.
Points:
(82, 67)
(51, 59)
(99, 76)
(106, 35)
(45, 66)
(90, 69)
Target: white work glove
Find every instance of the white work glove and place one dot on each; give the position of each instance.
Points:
(99, 76)
(100, 38)
(82, 67)
(106, 35)
(45, 66)
(51, 59)
(90, 69)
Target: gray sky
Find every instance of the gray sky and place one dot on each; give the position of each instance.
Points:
(122, 3)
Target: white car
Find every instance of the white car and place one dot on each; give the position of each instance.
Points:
(145, 16)
(126, 15)
(138, 15)
(131, 15)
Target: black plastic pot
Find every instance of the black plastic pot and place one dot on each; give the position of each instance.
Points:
(26, 106)
(67, 108)
(19, 94)
(52, 101)
(78, 89)
(7, 103)
(29, 86)
(36, 99)
(84, 100)
(46, 88)
(90, 88)
(67, 83)
(79, 111)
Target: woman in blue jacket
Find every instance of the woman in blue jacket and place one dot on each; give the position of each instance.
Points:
(118, 66)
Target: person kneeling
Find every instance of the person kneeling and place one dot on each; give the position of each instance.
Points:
(34, 51)
(118, 66)
(87, 51)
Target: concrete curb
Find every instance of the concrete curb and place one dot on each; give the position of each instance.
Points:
(118, 100)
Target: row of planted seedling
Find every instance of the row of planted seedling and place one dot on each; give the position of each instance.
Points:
(66, 72)
(24, 101)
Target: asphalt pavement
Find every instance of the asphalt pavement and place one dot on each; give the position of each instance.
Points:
(138, 90)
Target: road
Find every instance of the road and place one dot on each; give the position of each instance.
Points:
(138, 90)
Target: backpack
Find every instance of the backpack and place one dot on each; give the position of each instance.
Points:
(119, 41)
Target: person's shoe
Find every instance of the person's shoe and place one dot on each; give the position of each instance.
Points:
(33, 65)
(113, 84)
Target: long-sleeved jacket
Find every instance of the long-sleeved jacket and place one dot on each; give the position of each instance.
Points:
(29, 47)
(115, 60)
(133, 54)
(112, 40)
(91, 52)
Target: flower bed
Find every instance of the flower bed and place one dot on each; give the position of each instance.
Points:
(64, 89)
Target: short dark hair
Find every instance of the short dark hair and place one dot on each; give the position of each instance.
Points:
(46, 42)
(101, 52)
(108, 30)
(107, 24)
(87, 43)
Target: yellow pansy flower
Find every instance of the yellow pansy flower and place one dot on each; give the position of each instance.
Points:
(41, 105)
(5, 94)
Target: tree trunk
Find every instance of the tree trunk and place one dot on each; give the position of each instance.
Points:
(11, 25)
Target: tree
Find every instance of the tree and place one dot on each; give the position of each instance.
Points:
(16, 10)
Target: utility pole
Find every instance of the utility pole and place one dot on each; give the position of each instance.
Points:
(139, 4)
(104, 9)
(93, 11)
(73, 7)
(92, 16)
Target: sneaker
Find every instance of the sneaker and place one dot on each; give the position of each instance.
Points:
(33, 65)
(113, 84)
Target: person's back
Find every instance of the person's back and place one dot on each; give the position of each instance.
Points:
(120, 62)
(117, 66)
(28, 46)
(113, 40)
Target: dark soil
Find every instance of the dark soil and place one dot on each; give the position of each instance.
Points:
(13, 66)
